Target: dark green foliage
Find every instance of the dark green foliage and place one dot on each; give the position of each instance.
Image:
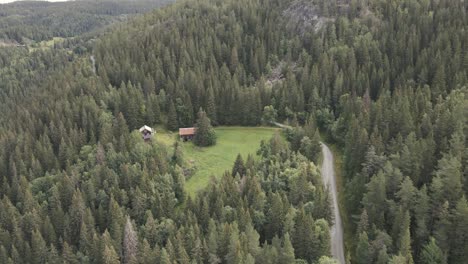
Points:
(363, 249)
(39, 21)
(178, 155)
(383, 79)
(172, 123)
(431, 253)
(459, 240)
(239, 167)
(205, 135)
(269, 114)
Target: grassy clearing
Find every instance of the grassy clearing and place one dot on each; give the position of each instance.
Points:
(46, 44)
(165, 136)
(214, 160)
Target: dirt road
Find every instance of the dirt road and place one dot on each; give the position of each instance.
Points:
(336, 231)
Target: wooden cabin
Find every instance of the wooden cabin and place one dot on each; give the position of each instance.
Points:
(147, 132)
(186, 133)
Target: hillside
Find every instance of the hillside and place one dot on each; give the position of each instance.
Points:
(386, 81)
(24, 22)
(207, 163)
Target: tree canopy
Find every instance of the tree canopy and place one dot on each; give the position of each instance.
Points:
(383, 80)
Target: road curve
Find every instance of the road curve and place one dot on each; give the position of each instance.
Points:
(336, 231)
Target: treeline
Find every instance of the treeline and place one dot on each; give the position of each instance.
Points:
(198, 54)
(385, 79)
(398, 91)
(123, 203)
(40, 20)
(78, 185)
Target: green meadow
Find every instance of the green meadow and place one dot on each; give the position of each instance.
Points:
(214, 160)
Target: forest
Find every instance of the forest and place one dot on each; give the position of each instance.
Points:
(26, 21)
(385, 82)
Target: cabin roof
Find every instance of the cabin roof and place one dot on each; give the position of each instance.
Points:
(187, 131)
(147, 128)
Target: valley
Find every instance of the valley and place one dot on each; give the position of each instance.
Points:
(311, 132)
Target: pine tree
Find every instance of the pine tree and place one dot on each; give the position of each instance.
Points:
(77, 210)
(235, 254)
(421, 215)
(269, 114)
(459, 240)
(363, 225)
(234, 60)
(287, 253)
(449, 171)
(146, 255)
(253, 240)
(211, 107)
(53, 256)
(67, 254)
(406, 194)
(39, 248)
(130, 244)
(3, 253)
(182, 256)
(432, 254)
(405, 239)
(303, 237)
(375, 200)
(204, 132)
(382, 257)
(362, 249)
(165, 259)
(109, 256)
(178, 155)
(212, 243)
(172, 121)
(116, 222)
(239, 167)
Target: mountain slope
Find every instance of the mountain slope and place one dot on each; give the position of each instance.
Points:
(385, 79)
(26, 21)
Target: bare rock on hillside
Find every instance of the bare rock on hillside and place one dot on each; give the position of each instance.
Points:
(303, 16)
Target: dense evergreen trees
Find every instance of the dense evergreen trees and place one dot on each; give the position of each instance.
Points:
(386, 80)
(205, 135)
(26, 21)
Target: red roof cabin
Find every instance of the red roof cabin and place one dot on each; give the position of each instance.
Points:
(186, 133)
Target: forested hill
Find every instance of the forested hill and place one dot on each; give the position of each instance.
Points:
(26, 21)
(386, 80)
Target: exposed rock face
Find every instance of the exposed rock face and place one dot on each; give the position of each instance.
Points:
(312, 15)
(305, 15)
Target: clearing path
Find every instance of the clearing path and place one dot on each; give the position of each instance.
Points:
(93, 61)
(336, 231)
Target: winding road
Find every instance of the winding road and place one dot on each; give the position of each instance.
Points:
(328, 177)
(336, 231)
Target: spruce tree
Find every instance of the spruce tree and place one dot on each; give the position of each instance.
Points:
(39, 248)
(382, 257)
(287, 254)
(172, 123)
(109, 256)
(211, 107)
(363, 249)
(130, 243)
(204, 133)
(432, 254)
(239, 167)
(459, 240)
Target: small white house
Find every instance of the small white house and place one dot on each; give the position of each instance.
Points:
(147, 132)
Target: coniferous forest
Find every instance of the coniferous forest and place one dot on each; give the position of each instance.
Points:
(383, 81)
